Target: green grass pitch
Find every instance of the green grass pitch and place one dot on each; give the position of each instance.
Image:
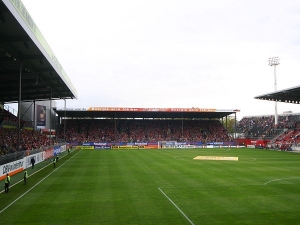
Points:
(159, 187)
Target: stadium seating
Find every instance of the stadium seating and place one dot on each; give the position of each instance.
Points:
(29, 138)
(125, 130)
(281, 136)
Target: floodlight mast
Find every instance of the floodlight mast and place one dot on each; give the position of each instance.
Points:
(274, 61)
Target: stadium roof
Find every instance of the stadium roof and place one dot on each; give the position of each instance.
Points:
(115, 112)
(24, 52)
(290, 95)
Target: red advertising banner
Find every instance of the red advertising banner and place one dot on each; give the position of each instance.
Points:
(151, 147)
(122, 109)
(48, 154)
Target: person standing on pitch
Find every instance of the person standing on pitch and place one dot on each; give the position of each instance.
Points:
(25, 176)
(54, 162)
(32, 162)
(7, 182)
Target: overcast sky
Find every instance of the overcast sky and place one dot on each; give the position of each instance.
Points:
(174, 53)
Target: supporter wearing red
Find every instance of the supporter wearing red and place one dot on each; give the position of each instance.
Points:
(125, 130)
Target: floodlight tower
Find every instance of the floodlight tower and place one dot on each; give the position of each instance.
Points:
(274, 61)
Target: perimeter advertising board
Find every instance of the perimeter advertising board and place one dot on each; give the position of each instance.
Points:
(48, 153)
(56, 150)
(38, 158)
(19, 165)
(12, 168)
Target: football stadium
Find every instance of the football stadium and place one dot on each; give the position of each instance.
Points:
(127, 165)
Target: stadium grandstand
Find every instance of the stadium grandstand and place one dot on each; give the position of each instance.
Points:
(262, 132)
(104, 127)
(31, 75)
(287, 132)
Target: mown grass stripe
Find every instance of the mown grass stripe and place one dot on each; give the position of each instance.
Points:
(185, 216)
(35, 184)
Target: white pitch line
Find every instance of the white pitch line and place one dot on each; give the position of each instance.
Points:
(288, 178)
(30, 175)
(36, 184)
(187, 218)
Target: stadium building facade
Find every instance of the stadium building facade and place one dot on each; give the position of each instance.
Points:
(171, 120)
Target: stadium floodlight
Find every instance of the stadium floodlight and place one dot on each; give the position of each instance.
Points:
(274, 61)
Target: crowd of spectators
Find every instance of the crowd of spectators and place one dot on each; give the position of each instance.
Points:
(9, 136)
(264, 126)
(149, 130)
(282, 136)
(288, 138)
(29, 139)
(9, 119)
(126, 130)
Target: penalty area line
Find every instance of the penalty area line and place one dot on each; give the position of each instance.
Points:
(35, 185)
(170, 200)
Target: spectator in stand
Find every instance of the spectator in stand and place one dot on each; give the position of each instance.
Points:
(143, 130)
(286, 131)
(29, 140)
